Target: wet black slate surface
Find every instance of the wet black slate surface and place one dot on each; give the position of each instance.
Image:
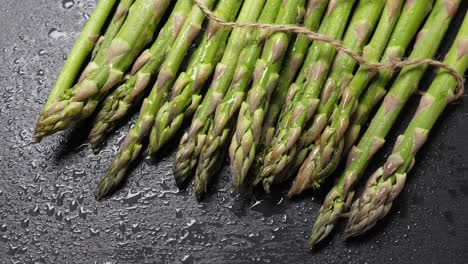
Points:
(48, 213)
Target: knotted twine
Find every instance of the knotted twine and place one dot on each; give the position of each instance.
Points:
(392, 65)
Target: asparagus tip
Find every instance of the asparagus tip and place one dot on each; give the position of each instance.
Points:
(200, 186)
(353, 229)
(37, 137)
(267, 182)
(180, 180)
(99, 194)
(316, 237)
(297, 186)
(347, 234)
(179, 183)
(95, 148)
(95, 143)
(104, 187)
(199, 195)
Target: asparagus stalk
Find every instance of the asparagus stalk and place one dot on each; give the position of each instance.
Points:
(101, 48)
(363, 22)
(388, 181)
(131, 146)
(186, 91)
(339, 198)
(363, 108)
(326, 152)
(81, 49)
(302, 98)
(252, 112)
(117, 104)
(211, 127)
(79, 102)
(292, 65)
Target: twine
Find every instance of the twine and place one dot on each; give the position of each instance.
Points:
(392, 65)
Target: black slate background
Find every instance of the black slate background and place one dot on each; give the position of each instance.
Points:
(48, 213)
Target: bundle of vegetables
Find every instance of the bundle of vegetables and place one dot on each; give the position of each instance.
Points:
(291, 105)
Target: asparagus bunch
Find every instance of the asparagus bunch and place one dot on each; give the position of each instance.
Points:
(225, 72)
(185, 96)
(214, 134)
(388, 181)
(213, 151)
(339, 198)
(83, 46)
(289, 71)
(131, 146)
(301, 100)
(363, 22)
(252, 112)
(326, 152)
(117, 104)
(80, 101)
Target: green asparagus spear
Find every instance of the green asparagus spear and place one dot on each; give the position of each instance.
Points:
(388, 181)
(185, 96)
(311, 171)
(339, 198)
(131, 146)
(252, 112)
(302, 98)
(117, 104)
(205, 118)
(363, 108)
(81, 49)
(101, 48)
(292, 65)
(79, 102)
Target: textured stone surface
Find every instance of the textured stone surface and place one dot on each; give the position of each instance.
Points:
(48, 213)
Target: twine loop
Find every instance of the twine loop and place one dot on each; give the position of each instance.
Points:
(392, 65)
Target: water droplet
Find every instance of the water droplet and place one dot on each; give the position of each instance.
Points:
(284, 218)
(178, 213)
(50, 210)
(122, 227)
(25, 223)
(67, 4)
(83, 213)
(94, 232)
(185, 258)
(60, 197)
(59, 216)
(77, 174)
(34, 211)
(56, 34)
(131, 198)
(73, 205)
(192, 221)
